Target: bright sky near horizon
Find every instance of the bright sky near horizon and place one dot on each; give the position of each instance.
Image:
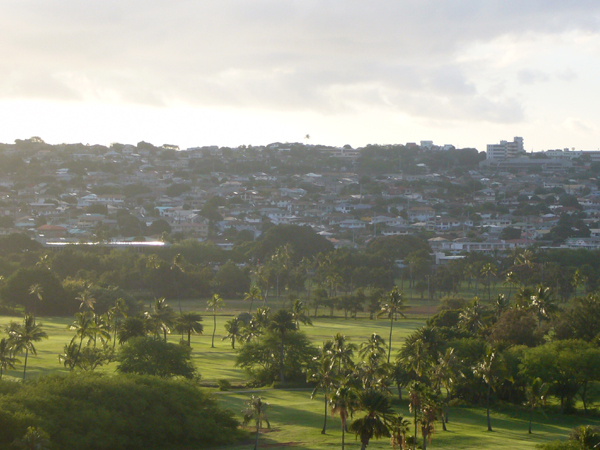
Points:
(232, 72)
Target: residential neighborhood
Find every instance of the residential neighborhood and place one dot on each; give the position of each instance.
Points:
(462, 200)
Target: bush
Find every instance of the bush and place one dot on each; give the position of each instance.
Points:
(224, 385)
(124, 412)
(152, 356)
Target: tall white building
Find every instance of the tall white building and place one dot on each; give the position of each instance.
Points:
(505, 150)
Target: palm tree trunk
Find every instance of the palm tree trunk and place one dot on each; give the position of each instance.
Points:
(256, 440)
(487, 405)
(415, 439)
(390, 341)
(325, 416)
(343, 433)
(424, 441)
(214, 330)
(25, 365)
(281, 361)
(189, 338)
(530, 418)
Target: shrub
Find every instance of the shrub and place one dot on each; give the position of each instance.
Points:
(99, 412)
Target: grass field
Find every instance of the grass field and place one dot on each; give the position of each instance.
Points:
(296, 419)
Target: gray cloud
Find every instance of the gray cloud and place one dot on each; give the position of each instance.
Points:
(324, 55)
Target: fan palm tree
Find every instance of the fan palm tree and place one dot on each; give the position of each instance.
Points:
(7, 359)
(392, 308)
(188, 323)
(256, 411)
(536, 395)
(132, 327)
(234, 330)
(378, 417)
(24, 335)
(253, 294)
(282, 323)
(214, 303)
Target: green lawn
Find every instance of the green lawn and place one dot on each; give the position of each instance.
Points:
(296, 419)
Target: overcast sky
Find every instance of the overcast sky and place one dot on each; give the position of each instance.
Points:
(231, 72)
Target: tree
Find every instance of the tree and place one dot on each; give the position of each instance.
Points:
(343, 402)
(188, 323)
(491, 370)
(24, 335)
(281, 323)
(323, 377)
(488, 271)
(160, 319)
(132, 327)
(256, 411)
(342, 353)
(153, 356)
(535, 393)
(34, 439)
(215, 303)
(234, 330)
(392, 308)
(378, 417)
(253, 294)
(7, 359)
(398, 430)
(542, 301)
(300, 313)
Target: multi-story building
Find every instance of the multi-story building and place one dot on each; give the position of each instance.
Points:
(505, 150)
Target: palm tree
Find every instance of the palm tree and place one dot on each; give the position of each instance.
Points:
(488, 271)
(490, 370)
(536, 396)
(161, 317)
(86, 300)
(543, 302)
(132, 327)
(428, 415)
(471, 317)
(378, 418)
(215, 302)
(234, 330)
(416, 393)
(34, 439)
(69, 356)
(392, 309)
(116, 312)
(398, 429)
(323, 377)
(300, 313)
(7, 359)
(24, 335)
(256, 411)
(281, 323)
(445, 374)
(281, 261)
(501, 304)
(84, 326)
(188, 323)
(253, 294)
(373, 348)
(342, 353)
(343, 403)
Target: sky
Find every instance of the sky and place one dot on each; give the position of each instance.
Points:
(252, 72)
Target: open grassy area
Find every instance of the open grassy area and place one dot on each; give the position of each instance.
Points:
(295, 418)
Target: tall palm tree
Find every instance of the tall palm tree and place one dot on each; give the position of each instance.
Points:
(118, 311)
(378, 417)
(281, 261)
(282, 323)
(84, 327)
(24, 335)
(256, 411)
(490, 369)
(214, 303)
(373, 348)
(7, 357)
(488, 271)
(253, 294)
(392, 308)
(416, 393)
(343, 402)
(471, 317)
(430, 407)
(86, 300)
(188, 323)
(323, 377)
(234, 330)
(535, 393)
(445, 374)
